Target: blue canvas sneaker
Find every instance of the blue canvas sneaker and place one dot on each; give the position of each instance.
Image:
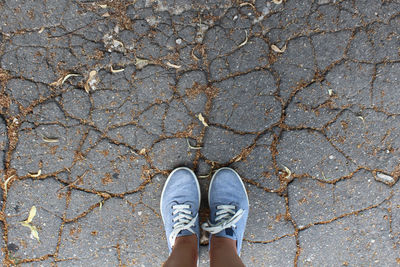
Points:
(180, 202)
(229, 206)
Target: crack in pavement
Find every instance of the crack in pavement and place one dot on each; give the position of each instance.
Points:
(312, 129)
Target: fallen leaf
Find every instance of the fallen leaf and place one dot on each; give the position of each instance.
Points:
(201, 118)
(32, 214)
(289, 172)
(117, 43)
(33, 229)
(141, 63)
(34, 175)
(35, 233)
(173, 65)
(277, 49)
(6, 182)
(245, 40)
(61, 81)
(106, 15)
(361, 118)
(91, 77)
(142, 151)
(247, 4)
(50, 139)
(102, 6)
(193, 55)
(27, 223)
(192, 147)
(41, 30)
(330, 92)
(278, 2)
(116, 71)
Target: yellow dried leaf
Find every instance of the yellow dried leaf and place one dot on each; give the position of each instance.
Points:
(41, 30)
(277, 49)
(201, 118)
(247, 4)
(61, 81)
(32, 214)
(35, 233)
(50, 139)
(92, 75)
(6, 183)
(288, 171)
(141, 63)
(116, 71)
(106, 15)
(173, 65)
(142, 151)
(34, 175)
(103, 6)
(33, 229)
(278, 2)
(192, 147)
(27, 223)
(330, 92)
(245, 40)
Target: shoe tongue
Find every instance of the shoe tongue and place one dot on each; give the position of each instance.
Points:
(228, 232)
(185, 233)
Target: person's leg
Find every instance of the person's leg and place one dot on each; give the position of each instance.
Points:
(229, 209)
(223, 253)
(179, 205)
(184, 253)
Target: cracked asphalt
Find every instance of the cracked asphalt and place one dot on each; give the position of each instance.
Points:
(100, 100)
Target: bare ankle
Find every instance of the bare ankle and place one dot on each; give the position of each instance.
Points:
(222, 243)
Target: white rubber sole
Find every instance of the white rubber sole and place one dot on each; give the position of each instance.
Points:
(168, 179)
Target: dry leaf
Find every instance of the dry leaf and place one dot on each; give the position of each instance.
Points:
(247, 4)
(32, 214)
(173, 65)
(361, 118)
(6, 182)
(61, 81)
(278, 2)
(103, 6)
(27, 223)
(193, 55)
(34, 175)
(277, 49)
(142, 151)
(106, 15)
(92, 75)
(245, 40)
(330, 92)
(50, 139)
(289, 172)
(33, 228)
(116, 71)
(35, 233)
(192, 147)
(141, 63)
(41, 30)
(201, 118)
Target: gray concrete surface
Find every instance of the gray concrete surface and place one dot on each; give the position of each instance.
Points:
(300, 97)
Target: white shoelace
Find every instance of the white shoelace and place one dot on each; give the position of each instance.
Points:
(226, 218)
(182, 222)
